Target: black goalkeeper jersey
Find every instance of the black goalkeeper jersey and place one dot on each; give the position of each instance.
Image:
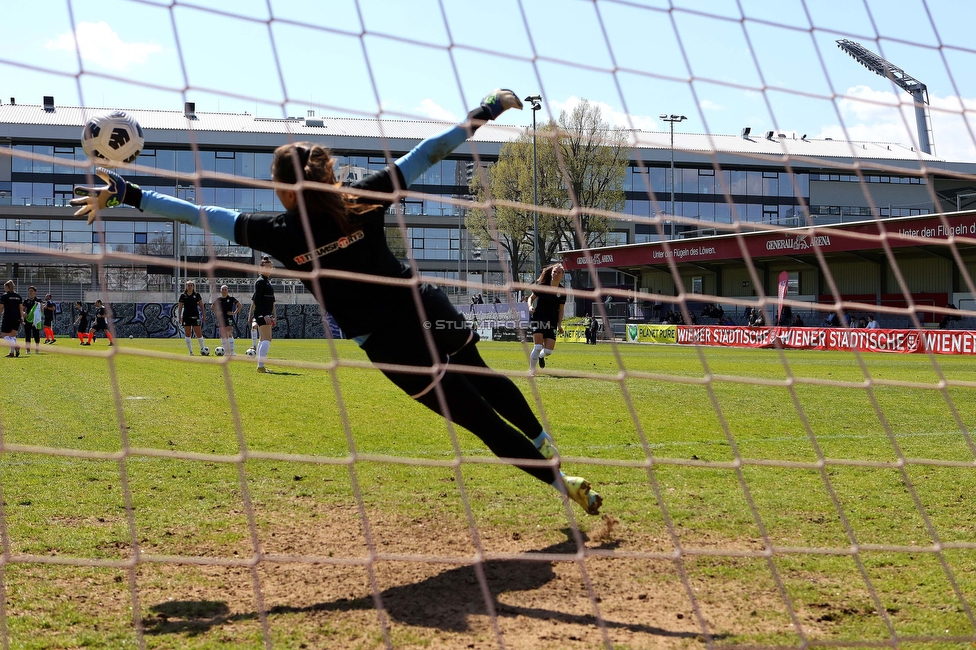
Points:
(358, 306)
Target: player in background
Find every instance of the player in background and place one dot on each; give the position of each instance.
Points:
(225, 308)
(262, 311)
(546, 315)
(347, 234)
(11, 316)
(31, 331)
(81, 323)
(191, 315)
(50, 310)
(100, 324)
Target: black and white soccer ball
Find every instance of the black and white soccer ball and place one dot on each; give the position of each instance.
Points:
(219, 351)
(205, 351)
(112, 138)
(251, 352)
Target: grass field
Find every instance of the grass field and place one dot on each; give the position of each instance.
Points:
(737, 534)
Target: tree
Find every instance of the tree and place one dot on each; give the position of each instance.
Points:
(582, 161)
(593, 158)
(510, 227)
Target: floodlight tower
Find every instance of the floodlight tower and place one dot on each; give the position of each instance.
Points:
(903, 80)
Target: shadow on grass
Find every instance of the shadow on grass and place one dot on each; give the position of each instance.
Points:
(444, 602)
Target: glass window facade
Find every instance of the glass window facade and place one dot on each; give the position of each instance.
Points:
(433, 243)
(721, 196)
(854, 178)
(45, 175)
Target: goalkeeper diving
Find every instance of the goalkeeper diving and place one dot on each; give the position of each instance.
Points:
(327, 228)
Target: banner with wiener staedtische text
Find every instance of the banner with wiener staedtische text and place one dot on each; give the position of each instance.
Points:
(818, 338)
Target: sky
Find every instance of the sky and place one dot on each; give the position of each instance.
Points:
(724, 64)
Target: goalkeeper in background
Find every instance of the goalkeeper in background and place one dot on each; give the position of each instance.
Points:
(335, 229)
(32, 309)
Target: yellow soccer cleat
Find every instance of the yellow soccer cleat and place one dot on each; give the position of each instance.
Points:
(578, 489)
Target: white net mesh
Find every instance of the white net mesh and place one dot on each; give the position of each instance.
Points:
(760, 498)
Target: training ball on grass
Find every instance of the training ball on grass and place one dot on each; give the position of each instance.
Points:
(205, 351)
(219, 351)
(251, 352)
(112, 138)
(131, 336)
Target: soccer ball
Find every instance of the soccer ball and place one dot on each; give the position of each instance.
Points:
(112, 138)
(251, 352)
(205, 351)
(219, 351)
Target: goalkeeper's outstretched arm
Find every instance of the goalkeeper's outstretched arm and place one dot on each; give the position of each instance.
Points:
(118, 191)
(435, 148)
(221, 221)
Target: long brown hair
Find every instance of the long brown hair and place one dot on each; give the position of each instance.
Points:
(546, 276)
(316, 165)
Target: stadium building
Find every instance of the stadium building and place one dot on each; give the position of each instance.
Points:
(848, 256)
(776, 178)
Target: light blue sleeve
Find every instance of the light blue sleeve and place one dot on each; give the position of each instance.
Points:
(431, 150)
(219, 221)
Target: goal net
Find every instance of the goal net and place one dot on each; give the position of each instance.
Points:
(763, 363)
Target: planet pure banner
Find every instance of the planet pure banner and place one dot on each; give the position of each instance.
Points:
(572, 334)
(643, 333)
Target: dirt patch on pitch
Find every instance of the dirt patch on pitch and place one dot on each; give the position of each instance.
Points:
(567, 589)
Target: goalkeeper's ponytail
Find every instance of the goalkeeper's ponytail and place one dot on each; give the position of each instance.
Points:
(316, 165)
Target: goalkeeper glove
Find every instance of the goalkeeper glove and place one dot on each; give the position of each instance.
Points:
(499, 101)
(115, 192)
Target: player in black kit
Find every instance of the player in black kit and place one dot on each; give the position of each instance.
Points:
(82, 322)
(191, 316)
(225, 308)
(100, 324)
(11, 316)
(347, 234)
(546, 309)
(263, 310)
(49, 310)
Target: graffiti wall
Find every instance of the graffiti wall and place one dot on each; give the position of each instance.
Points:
(158, 320)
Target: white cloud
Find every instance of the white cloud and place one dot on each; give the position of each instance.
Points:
(99, 44)
(435, 111)
(882, 116)
(708, 105)
(613, 117)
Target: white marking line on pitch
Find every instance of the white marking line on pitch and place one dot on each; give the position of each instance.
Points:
(798, 437)
(687, 443)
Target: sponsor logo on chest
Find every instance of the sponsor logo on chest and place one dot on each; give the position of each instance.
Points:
(331, 247)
